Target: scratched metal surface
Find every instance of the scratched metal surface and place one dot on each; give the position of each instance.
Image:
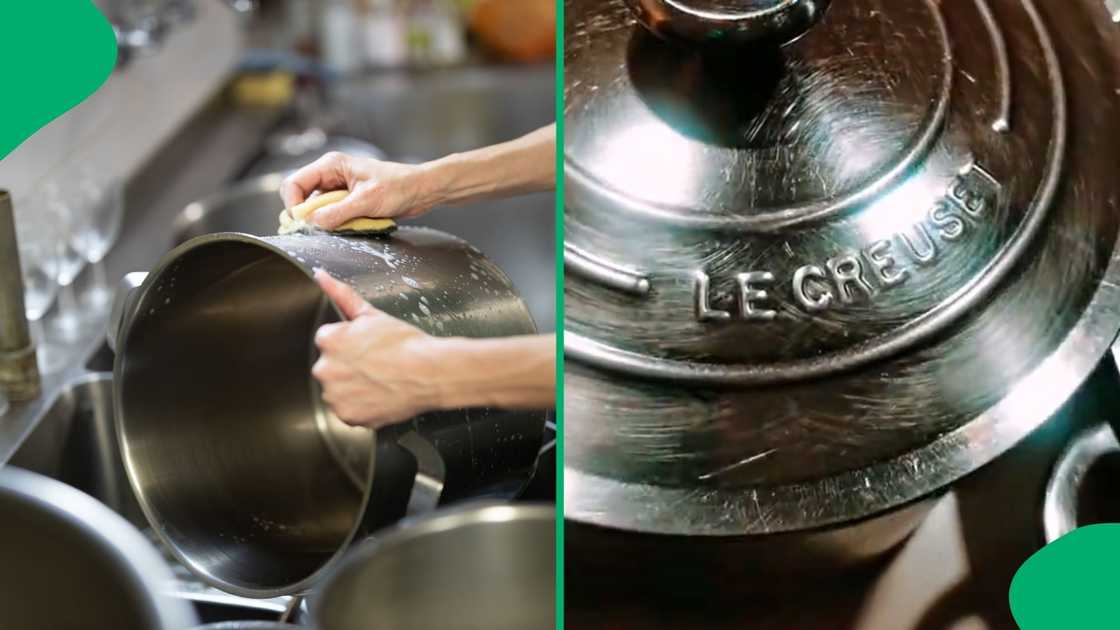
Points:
(808, 286)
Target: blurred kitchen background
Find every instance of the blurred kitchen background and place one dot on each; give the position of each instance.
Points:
(213, 100)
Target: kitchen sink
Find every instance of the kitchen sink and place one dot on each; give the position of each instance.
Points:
(76, 443)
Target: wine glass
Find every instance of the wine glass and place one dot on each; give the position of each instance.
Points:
(62, 206)
(95, 227)
(40, 252)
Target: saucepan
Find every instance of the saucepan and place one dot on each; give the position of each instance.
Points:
(238, 465)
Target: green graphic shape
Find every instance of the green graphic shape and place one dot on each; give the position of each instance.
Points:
(1071, 584)
(53, 55)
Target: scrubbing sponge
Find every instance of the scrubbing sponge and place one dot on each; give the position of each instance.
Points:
(294, 219)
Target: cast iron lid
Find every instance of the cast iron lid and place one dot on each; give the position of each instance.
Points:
(809, 283)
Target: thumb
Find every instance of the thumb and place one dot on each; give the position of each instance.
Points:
(347, 299)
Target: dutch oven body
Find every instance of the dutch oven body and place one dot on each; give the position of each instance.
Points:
(810, 285)
(238, 464)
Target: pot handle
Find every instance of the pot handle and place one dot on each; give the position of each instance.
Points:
(431, 472)
(123, 303)
(1060, 508)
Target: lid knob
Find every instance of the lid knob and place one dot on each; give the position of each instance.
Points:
(729, 22)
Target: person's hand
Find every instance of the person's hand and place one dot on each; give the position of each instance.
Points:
(377, 189)
(375, 370)
(390, 190)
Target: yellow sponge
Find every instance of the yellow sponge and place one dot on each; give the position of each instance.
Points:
(294, 219)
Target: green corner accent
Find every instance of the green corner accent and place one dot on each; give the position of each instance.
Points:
(1070, 583)
(53, 54)
(560, 313)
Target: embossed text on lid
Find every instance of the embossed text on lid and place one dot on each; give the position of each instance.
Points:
(855, 194)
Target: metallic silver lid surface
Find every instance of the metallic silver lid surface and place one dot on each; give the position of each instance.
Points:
(808, 284)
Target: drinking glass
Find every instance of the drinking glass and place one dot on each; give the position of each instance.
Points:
(62, 206)
(95, 227)
(40, 251)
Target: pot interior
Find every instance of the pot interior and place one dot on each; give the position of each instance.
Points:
(51, 558)
(218, 419)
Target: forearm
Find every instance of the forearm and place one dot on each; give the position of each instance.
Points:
(507, 372)
(524, 165)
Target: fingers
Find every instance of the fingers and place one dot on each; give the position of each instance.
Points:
(356, 415)
(327, 173)
(326, 369)
(348, 404)
(348, 300)
(344, 403)
(364, 201)
(340, 392)
(364, 387)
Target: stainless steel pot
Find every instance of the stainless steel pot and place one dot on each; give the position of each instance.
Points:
(238, 465)
(70, 562)
(809, 285)
(477, 566)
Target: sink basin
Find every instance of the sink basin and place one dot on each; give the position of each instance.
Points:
(76, 443)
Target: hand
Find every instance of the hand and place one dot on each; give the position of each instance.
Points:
(377, 189)
(375, 370)
(391, 190)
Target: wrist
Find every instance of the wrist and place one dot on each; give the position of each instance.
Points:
(456, 178)
(456, 383)
(519, 166)
(431, 183)
(506, 372)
